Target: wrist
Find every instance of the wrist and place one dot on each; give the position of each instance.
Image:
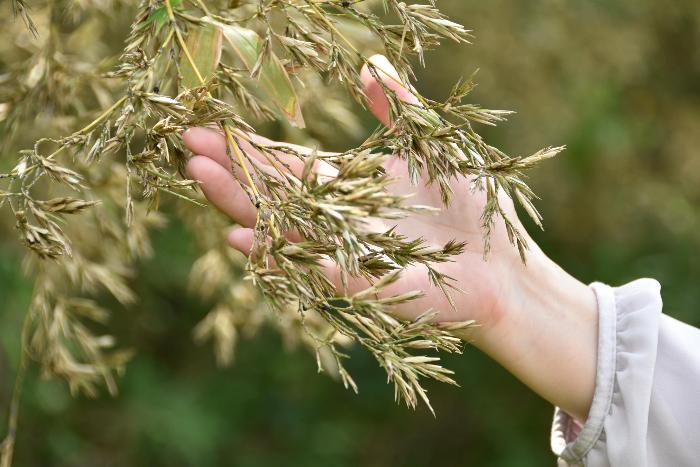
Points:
(544, 331)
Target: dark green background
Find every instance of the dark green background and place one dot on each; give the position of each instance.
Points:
(618, 81)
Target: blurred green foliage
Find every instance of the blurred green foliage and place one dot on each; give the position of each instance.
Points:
(618, 81)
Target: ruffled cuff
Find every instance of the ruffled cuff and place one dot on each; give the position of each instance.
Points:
(628, 321)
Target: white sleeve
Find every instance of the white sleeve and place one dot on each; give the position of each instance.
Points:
(646, 405)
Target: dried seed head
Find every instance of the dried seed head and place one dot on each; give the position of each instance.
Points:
(206, 64)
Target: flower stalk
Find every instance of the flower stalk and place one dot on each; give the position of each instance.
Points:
(199, 64)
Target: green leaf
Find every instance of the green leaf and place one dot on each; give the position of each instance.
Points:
(160, 14)
(204, 46)
(273, 78)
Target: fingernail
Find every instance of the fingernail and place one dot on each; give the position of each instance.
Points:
(384, 66)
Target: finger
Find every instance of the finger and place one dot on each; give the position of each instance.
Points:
(263, 141)
(212, 143)
(218, 184)
(222, 189)
(208, 142)
(241, 239)
(376, 97)
(293, 163)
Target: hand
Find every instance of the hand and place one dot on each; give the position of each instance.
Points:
(481, 280)
(515, 306)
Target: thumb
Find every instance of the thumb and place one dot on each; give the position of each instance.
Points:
(376, 98)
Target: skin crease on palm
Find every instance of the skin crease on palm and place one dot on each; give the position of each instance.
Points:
(519, 308)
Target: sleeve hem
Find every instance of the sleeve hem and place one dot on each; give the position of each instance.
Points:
(564, 425)
(627, 330)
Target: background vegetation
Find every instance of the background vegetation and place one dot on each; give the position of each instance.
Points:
(618, 81)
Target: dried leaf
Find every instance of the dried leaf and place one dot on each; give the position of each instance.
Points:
(274, 80)
(204, 46)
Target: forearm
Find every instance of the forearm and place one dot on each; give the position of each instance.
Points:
(545, 333)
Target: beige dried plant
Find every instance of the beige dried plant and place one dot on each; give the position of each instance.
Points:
(84, 204)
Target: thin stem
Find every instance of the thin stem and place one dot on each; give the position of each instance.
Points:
(8, 444)
(202, 81)
(83, 130)
(90, 125)
(272, 160)
(237, 150)
(333, 28)
(337, 32)
(203, 7)
(102, 116)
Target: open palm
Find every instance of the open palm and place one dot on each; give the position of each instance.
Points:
(481, 279)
